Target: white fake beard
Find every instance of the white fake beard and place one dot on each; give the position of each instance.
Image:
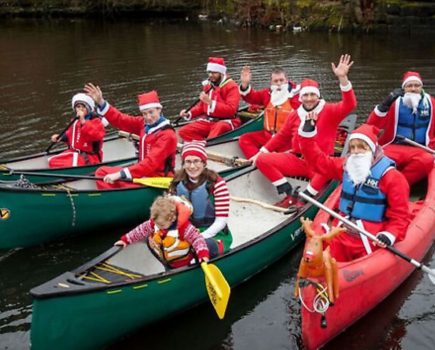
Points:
(279, 94)
(411, 100)
(358, 166)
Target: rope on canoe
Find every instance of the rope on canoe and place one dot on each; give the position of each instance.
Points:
(23, 182)
(115, 270)
(73, 207)
(108, 270)
(321, 300)
(95, 277)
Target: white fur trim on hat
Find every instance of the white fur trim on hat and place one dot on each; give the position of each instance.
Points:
(85, 99)
(411, 78)
(214, 67)
(365, 138)
(307, 90)
(150, 105)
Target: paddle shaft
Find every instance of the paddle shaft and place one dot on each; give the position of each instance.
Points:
(367, 234)
(416, 144)
(192, 105)
(67, 176)
(158, 182)
(61, 134)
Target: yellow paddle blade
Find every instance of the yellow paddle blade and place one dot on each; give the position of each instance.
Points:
(218, 288)
(158, 182)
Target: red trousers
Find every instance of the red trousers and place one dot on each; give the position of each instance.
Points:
(415, 163)
(104, 170)
(251, 142)
(69, 158)
(204, 129)
(346, 247)
(276, 166)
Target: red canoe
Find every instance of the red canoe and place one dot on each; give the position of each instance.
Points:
(367, 281)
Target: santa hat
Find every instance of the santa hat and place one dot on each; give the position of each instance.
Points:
(411, 76)
(194, 148)
(148, 100)
(367, 133)
(84, 99)
(216, 64)
(309, 86)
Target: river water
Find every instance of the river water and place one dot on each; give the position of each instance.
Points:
(43, 63)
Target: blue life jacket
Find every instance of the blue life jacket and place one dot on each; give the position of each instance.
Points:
(414, 126)
(202, 202)
(365, 201)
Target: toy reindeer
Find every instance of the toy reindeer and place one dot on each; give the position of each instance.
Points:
(317, 262)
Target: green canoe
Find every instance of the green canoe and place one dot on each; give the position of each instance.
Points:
(68, 208)
(116, 293)
(117, 150)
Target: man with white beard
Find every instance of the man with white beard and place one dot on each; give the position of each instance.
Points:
(408, 113)
(279, 101)
(374, 194)
(276, 164)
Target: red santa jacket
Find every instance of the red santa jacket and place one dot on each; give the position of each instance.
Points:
(393, 184)
(388, 122)
(87, 138)
(262, 97)
(225, 101)
(329, 117)
(157, 147)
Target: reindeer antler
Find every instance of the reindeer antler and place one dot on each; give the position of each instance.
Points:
(334, 232)
(306, 224)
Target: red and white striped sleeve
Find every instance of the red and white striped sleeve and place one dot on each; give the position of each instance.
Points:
(221, 198)
(196, 240)
(139, 232)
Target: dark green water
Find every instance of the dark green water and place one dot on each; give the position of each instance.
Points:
(42, 64)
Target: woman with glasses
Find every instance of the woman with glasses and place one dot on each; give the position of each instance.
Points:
(209, 195)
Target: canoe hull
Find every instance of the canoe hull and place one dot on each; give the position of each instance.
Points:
(63, 213)
(36, 217)
(136, 305)
(365, 282)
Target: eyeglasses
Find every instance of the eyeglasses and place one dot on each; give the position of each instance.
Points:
(192, 162)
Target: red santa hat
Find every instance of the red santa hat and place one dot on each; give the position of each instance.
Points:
(309, 86)
(148, 100)
(411, 76)
(83, 99)
(216, 64)
(367, 133)
(194, 148)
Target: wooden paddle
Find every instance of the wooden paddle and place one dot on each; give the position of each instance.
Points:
(217, 157)
(218, 288)
(416, 144)
(419, 265)
(157, 182)
(61, 134)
